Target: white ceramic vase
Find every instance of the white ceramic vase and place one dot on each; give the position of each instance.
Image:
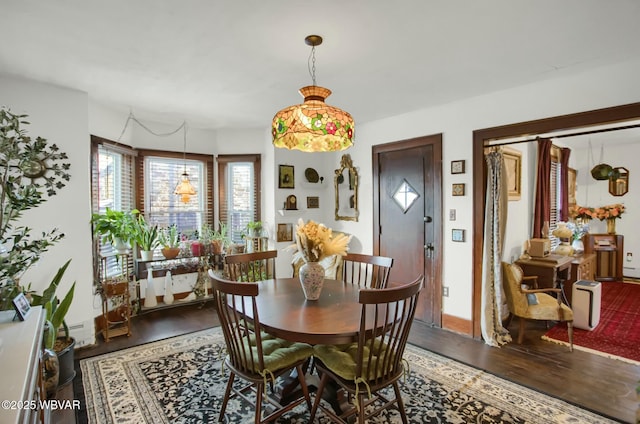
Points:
(168, 290)
(150, 300)
(312, 279)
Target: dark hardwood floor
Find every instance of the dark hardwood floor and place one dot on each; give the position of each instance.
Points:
(593, 382)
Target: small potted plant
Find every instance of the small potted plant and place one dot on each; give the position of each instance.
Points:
(116, 227)
(254, 229)
(170, 239)
(220, 238)
(146, 237)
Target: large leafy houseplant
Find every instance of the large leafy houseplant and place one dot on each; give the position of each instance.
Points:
(114, 225)
(55, 310)
(30, 172)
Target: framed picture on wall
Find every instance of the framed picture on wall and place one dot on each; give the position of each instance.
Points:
(457, 166)
(573, 188)
(513, 162)
(313, 202)
(285, 232)
(285, 177)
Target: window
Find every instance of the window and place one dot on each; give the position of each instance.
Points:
(112, 169)
(238, 192)
(555, 203)
(162, 206)
(159, 173)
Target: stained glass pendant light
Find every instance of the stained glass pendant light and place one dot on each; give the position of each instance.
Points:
(184, 189)
(313, 126)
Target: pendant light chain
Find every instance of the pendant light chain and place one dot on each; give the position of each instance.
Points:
(184, 150)
(311, 64)
(132, 117)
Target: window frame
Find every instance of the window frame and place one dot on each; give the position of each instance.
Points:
(207, 186)
(223, 165)
(106, 262)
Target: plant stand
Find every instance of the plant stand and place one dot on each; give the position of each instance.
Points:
(117, 320)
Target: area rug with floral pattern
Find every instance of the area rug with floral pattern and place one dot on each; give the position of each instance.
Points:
(180, 380)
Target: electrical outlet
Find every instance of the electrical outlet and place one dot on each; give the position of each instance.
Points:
(629, 256)
(445, 291)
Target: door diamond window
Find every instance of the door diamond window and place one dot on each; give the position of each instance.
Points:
(405, 196)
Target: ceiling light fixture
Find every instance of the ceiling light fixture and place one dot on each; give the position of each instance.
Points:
(184, 189)
(313, 126)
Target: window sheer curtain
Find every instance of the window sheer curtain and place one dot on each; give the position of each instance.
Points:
(493, 309)
(542, 205)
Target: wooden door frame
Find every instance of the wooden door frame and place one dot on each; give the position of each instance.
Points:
(481, 137)
(434, 140)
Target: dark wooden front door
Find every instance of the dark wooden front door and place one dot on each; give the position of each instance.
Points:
(408, 216)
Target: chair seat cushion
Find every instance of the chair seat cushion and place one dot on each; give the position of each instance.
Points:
(547, 309)
(341, 359)
(278, 353)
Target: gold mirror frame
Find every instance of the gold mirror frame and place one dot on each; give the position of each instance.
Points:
(349, 183)
(619, 181)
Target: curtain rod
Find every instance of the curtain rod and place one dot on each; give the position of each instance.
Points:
(602, 130)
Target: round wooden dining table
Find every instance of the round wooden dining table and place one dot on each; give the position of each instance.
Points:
(332, 319)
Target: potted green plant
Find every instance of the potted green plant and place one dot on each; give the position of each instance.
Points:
(30, 172)
(116, 227)
(146, 237)
(254, 229)
(220, 238)
(60, 367)
(169, 238)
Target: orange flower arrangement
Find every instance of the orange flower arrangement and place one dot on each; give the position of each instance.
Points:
(610, 211)
(601, 213)
(582, 212)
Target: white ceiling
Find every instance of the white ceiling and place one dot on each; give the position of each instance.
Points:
(233, 64)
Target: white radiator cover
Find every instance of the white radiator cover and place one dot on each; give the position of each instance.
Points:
(83, 333)
(632, 272)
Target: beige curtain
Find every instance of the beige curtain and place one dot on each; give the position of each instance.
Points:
(493, 310)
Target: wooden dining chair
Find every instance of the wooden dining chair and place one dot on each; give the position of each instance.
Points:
(254, 266)
(253, 356)
(374, 362)
(366, 270)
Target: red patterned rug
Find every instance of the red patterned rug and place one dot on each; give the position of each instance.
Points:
(618, 333)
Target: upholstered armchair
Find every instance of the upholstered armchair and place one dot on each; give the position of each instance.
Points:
(533, 304)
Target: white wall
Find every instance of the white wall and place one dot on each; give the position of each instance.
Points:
(593, 193)
(604, 87)
(61, 116)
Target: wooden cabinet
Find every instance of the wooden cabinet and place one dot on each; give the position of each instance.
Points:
(21, 367)
(583, 267)
(609, 249)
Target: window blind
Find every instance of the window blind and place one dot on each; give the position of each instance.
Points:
(112, 186)
(158, 174)
(238, 192)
